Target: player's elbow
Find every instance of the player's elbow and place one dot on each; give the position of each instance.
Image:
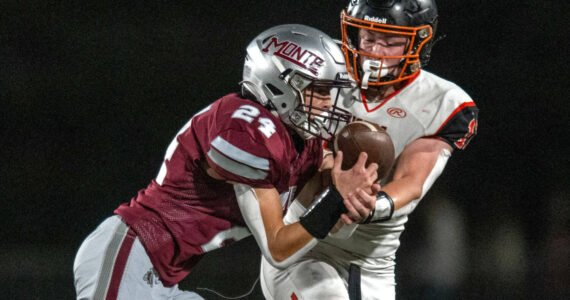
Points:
(416, 191)
(277, 255)
(281, 257)
(279, 260)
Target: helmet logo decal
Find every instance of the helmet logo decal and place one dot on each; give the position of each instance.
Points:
(376, 19)
(295, 54)
(342, 76)
(396, 112)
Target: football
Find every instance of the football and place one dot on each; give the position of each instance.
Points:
(363, 136)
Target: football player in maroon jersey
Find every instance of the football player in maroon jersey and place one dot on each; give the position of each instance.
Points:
(385, 42)
(232, 171)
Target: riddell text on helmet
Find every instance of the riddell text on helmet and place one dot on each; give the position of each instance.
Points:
(375, 19)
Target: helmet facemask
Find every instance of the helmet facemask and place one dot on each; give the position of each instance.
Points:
(316, 114)
(290, 69)
(369, 69)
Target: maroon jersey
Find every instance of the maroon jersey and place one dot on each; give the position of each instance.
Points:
(183, 209)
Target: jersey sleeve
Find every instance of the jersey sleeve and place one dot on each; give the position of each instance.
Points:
(241, 153)
(461, 126)
(233, 156)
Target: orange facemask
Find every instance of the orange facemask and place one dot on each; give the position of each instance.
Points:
(371, 72)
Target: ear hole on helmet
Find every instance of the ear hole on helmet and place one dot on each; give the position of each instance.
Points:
(274, 90)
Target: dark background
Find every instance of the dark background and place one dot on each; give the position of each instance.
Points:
(92, 92)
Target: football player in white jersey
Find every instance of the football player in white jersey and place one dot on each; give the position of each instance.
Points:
(385, 42)
(232, 169)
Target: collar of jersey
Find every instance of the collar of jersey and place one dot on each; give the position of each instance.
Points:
(410, 80)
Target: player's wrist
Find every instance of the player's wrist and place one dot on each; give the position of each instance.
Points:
(323, 213)
(383, 209)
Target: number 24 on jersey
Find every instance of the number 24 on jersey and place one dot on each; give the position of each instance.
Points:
(245, 112)
(249, 113)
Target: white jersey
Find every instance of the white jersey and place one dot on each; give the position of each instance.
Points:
(428, 106)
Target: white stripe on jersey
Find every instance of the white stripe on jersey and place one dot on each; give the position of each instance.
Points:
(237, 154)
(235, 233)
(235, 167)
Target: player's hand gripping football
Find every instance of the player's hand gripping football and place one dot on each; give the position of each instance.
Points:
(357, 186)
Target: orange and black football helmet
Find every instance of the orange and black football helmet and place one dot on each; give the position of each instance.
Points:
(413, 19)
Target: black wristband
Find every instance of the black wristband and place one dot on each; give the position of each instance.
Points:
(383, 209)
(323, 213)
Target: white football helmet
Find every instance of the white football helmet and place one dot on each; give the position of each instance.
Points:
(290, 69)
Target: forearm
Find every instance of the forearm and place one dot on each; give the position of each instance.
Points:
(419, 165)
(281, 245)
(287, 241)
(339, 231)
(403, 191)
(410, 186)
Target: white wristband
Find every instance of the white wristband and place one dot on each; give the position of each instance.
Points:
(383, 209)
